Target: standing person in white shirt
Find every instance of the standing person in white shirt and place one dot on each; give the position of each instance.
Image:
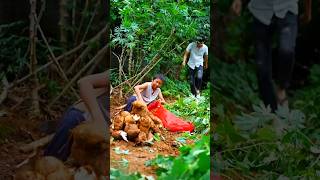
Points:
(197, 56)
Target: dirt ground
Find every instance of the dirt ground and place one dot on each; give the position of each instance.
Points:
(18, 128)
(138, 155)
(21, 133)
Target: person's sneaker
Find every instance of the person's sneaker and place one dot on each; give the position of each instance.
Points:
(282, 97)
(198, 94)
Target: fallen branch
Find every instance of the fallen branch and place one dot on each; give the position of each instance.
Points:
(78, 60)
(91, 20)
(4, 93)
(94, 66)
(54, 57)
(154, 64)
(36, 144)
(97, 56)
(136, 77)
(154, 59)
(66, 54)
(34, 153)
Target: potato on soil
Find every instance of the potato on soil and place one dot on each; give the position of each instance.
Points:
(89, 146)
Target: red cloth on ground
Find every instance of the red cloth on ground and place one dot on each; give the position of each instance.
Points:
(169, 120)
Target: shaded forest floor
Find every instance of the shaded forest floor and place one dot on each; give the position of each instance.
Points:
(18, 128)
(15, 130)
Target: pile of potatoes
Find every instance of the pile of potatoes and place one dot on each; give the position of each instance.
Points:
(89, 146)
(50, 168)
(137, 126)
(88, 151)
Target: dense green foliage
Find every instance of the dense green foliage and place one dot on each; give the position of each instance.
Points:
(192, 163)
(176, 88)
(14, 53)
(148, 28)
(195, 110)
(116, 174)
(143, 31)
(254, 143)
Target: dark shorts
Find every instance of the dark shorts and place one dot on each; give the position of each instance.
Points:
(130, 100)
(60, 145)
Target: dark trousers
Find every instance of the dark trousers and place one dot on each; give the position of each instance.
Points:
(129, 103)
(286, 31)
(195, 79)
(60, 145)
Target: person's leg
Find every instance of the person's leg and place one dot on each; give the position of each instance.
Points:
(287, 30)
(129, 103)
(60, 145)
(191, 73)
(263, 51)
(199, 78)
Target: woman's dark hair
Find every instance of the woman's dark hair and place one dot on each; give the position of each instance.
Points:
(159, 76)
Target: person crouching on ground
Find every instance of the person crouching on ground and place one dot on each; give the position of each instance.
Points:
(94, 104)
(147, 92)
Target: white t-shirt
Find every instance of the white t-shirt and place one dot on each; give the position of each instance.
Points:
(196, 55)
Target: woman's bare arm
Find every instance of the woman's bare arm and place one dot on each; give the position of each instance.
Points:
(139, 88)
(161, 98)
(87, 87)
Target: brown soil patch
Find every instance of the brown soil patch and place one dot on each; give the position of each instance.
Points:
(138, 155)
(20, 132)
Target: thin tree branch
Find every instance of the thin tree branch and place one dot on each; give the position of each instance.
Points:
(72, 51)
(91, 20)
(54, 58)
(100, 53)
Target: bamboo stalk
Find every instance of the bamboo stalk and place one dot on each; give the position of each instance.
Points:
(91, 20)
(33, 58)
(62, 73)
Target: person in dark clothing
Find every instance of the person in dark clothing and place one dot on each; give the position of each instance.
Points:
(274, 17)
(94, 105)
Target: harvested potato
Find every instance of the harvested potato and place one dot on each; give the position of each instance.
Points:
(89, 146)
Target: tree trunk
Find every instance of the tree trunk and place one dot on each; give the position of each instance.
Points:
(74, 8)
(130, 68)
(63, 23)
(33, 58)
(121, 69)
